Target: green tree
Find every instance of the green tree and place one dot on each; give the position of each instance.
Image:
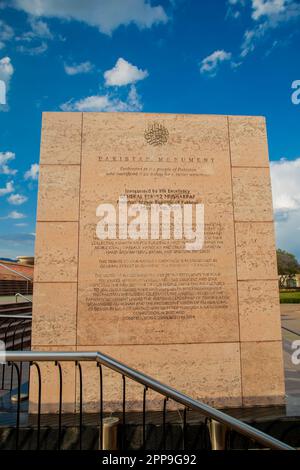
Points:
(288, 266)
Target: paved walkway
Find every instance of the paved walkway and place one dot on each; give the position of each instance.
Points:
(290, 321)
(11, 299)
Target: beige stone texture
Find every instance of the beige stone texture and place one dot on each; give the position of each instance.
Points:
(54, 313)
(59, 193)
(200, 321)
(121, 139)
(259, 311)
(206, 325)
(262, 373)
(255, 251)
(56, 252)
(50, 383)
(248, 141)
(210, 372)
(187, 318)
(252, 196)
(61, 138)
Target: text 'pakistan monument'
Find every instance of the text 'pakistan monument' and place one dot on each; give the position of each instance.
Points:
(203, 319)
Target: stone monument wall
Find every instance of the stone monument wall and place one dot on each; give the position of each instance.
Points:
(207, 321)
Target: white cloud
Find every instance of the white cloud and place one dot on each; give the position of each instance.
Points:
(17, 199)
(251, 37)
(268, 15)
(5, 157)
(124, 73)
(74, 69)
(106, 15)
(6, 33)
(6, 72)
(2, 93)
(15, 215)
(233, 8)
(39, 29)
(21, 225)
(35, 50)
(34, 41)
(268, 8)
(5, 170)
(285, 183)
(32, 173)
(90, 103)
(105, 103)
(210, 64)
(285, 176)
(134, 100)
(6, 69)
(287, 233)
(9, 188)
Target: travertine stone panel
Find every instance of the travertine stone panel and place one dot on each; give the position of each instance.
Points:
(259, 311)
(262, 373)
(252, 196)
(54, 312)
(248, 141)
(104, 313)
(255, 251)
(197, 151)
(61, 138)
(56, 252)
(50, 384)
(117, 160)
(206, 325)
(59, 193)
(209, 372)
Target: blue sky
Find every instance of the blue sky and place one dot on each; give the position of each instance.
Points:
(218, 56)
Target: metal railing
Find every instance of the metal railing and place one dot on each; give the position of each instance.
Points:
(16, 358)
(15, 332)
(17, 295)
(14, 329)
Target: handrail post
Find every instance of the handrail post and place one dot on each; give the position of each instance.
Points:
(217, 432)
(17, 295)
(110, 433)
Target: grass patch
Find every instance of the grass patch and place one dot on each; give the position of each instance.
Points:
(290, 297)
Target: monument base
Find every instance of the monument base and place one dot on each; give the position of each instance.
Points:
(207, 372)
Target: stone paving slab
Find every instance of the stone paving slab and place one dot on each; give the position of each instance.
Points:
(290, 321)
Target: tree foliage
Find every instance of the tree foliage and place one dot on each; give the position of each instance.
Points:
(287, 263)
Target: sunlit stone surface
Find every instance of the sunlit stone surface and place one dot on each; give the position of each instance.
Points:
(205, 322)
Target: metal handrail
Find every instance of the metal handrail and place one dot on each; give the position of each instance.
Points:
(23, 296)
(17, 316)
(147, 381)
(16, 272)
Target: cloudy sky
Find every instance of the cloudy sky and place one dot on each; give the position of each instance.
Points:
(178, 56)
